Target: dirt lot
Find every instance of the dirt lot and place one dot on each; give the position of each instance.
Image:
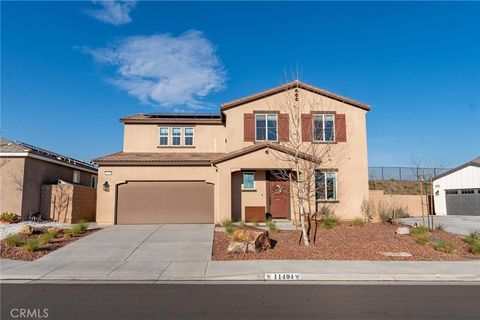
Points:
(345, 242)
(17, 253)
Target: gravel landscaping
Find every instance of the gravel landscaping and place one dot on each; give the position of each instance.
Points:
(18, 253)
(7, 229)
(345, 242)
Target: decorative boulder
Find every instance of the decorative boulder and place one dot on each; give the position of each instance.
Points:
(26, 229)
(249, 239)
(402, 230)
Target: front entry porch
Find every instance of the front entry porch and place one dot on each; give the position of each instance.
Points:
(260, 194)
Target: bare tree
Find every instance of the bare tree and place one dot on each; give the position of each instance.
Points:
(304, 158)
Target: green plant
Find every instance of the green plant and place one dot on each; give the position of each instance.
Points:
(357, 222)
(83, 225)
(67, 233)
(32, 245)
(272, 227)
(421, 239)
(329, 221)
(45, 238)
(76, 229)
(255, 223)
(444, 246)
(227, 222)
(241, 224)
(475, 246)
(473, 237)
(439, 227)
(15, 240)
(9, 217)
(419, 231)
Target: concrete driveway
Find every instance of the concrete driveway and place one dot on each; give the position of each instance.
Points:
(461, 225)
(127, 252)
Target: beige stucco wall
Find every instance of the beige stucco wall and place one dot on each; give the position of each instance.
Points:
(106, 200)
(412, 202)
(11, 184)
(145, 138)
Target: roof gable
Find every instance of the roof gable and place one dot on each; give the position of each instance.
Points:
(475, 163)
(291, 85)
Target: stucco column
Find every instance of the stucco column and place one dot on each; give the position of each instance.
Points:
(225, 194)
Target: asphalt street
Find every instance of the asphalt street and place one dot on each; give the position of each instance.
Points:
(238, 301)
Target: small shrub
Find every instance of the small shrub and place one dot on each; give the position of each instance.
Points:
(15, 240)
(32, 245)
(383, 213)
(272, 227)
(421, 239)
(357, 222)
(76, 229)
(368, 209)
(227, 222)
(389, 213)
(229, 228)
(473, 237)
(241, 224)
(474, 246)
(439, 227)
(444, 246)
(329, 222)
(46, 238)
(67, 233)
(9, 217)
(255, 223)
(83, 225)
(419, 231)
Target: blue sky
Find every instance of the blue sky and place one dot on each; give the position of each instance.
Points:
(69, 70)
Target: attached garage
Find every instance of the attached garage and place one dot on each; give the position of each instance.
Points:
(152, 202)
(463, 202)
(457, 191)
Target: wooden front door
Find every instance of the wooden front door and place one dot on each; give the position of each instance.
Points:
(279, 192)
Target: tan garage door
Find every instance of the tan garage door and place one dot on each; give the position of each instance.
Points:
(165, 202)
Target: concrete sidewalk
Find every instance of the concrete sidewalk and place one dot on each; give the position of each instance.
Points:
(310, 270)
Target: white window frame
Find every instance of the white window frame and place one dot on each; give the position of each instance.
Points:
(181, 136)
(76, 176)
(325, 186)
(323, 127)
(248, 172)
(93, 181)
(185, 137)
(160, 136)
(266, 126)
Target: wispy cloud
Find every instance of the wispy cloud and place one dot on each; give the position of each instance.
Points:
(116, 12)
(163, 69)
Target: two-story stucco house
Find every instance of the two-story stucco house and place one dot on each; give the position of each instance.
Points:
(206, 168)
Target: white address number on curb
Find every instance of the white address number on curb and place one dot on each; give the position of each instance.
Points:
(283, 276)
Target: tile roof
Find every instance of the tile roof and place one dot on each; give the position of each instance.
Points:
(10, 147)
(291, 85)
(209, 118)
(154, 158)
(184, 158)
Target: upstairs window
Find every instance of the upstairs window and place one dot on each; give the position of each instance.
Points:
(176, 136)
(326, 185)
(324, 128)
(164, 136)
(266, 128)
(76, 176)
(188, 136)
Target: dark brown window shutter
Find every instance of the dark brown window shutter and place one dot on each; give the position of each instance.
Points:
(307, 127)
(248, 127)
(340, 128)
(283, 127)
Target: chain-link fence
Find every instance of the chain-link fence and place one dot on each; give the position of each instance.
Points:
(403, 173)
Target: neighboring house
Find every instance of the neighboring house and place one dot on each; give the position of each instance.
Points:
(206, 168)
(457, 191)
(25, 168)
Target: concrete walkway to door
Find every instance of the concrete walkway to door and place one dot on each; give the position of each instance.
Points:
(128, 251)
